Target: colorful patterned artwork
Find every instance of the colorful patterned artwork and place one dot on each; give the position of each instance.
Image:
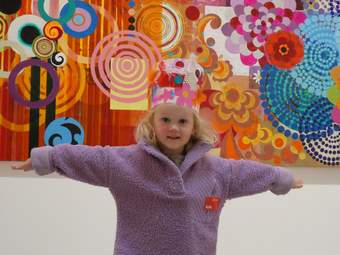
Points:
(79, 72)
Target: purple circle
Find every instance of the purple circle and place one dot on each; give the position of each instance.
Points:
(13, 87)
(227, 29)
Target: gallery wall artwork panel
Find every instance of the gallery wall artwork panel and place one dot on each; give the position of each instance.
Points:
(79, 72)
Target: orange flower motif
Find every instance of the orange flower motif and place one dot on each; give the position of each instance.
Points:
(284, 49)
(223, 70)
(200, 97)
(235, 105)
(232, 113)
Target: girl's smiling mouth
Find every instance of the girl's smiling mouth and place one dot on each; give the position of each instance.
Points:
(173, 137)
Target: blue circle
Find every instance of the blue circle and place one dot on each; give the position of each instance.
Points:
(94, 20)
(280, 129)
(64, 130)
(264, 104)
(132, 4)
(267, 111)
(287, 133)
(295, 136)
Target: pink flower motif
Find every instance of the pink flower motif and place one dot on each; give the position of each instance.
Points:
(185, 95)
(164, 96)
(168, 94)
(253, 22)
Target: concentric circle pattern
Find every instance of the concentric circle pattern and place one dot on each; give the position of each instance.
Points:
(108, 21)
(83, 22)
(53, 30)
(296, 112)
(162, 23)
(287, 103)
(321, 53)
(3, 27)
(43, 47)
(326, 149)
(124, 61)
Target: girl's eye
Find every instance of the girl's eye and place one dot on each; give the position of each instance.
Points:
(165, 119)
(183, 121)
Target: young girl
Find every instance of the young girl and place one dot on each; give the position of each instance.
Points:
(169, 192)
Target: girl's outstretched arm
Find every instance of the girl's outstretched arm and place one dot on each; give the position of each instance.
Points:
(80, 162)
(250, 177)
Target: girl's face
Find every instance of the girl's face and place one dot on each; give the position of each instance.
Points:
(173, 127)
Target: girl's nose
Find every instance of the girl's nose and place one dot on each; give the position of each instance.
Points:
(173, 127)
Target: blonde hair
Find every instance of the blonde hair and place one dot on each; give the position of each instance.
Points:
(202, 130)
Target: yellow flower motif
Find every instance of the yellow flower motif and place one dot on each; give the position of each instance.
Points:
(186, 94)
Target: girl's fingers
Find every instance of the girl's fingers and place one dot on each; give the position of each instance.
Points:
(16, 167)
(26, 166)
(298, 184)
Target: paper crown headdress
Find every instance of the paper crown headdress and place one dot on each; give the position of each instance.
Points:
(178, 82)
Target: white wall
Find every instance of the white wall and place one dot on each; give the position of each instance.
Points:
(54, 215)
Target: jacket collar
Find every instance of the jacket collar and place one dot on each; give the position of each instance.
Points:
(198, 150)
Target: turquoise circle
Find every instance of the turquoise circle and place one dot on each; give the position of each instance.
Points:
(318, 91)
(71, 8)
(78, 19)
(294, 74)
(178, 79)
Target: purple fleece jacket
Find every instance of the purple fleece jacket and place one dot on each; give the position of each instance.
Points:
(160, 206)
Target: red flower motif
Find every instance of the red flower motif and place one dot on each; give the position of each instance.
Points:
(284, 49)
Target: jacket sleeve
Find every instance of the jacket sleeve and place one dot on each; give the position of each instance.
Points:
(80, 162)
(251, 177)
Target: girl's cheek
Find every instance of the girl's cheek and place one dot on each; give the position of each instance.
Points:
(164, 127)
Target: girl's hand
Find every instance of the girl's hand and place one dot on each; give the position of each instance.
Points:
(297, 184)
(26, 166)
